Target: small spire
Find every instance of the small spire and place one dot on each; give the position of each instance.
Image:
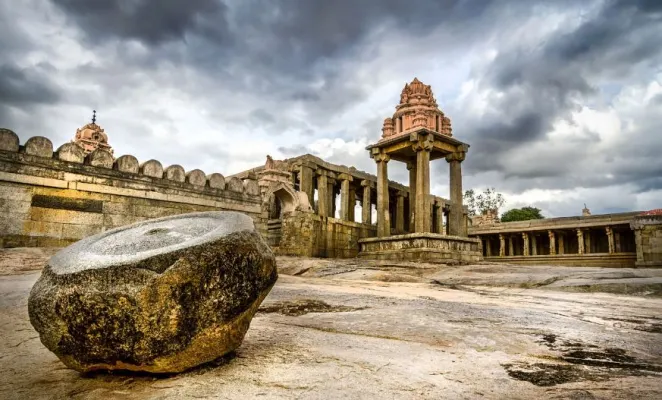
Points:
(94, 116)
(584, 205)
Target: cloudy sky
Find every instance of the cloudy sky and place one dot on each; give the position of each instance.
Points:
(561, 101)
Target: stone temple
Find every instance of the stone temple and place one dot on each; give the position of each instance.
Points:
(306, 206)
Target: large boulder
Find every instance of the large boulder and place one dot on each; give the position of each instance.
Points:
(159, 296)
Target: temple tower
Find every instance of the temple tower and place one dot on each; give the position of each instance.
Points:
(91, 137)
(416, 134)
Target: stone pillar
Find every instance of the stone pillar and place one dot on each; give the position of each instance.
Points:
(422, 199)
(552, 243)
(411, 166)
(610, 239)
(455, 218)
(511, 248)
(345, 180)
(352, 203)
(580, 241)
(400, 212)
(587, 242)
(366, 205)
(617, 242)
(331, 194)
(502, 245)
(534, 244)
(322, 194)
(383, 217)
(561, 243)
(488, 248)
(440, 216)
(306, 176)
(525, 247)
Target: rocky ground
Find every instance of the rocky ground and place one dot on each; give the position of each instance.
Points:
(355, 329)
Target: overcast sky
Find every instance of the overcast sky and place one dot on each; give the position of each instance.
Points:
(561, 101)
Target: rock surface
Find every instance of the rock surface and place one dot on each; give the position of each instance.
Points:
(160, 296)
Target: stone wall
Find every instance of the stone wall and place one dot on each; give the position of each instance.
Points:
(309, 235)
(52, 198)
(648, 238)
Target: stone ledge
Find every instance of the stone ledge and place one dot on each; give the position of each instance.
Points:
(421, 235)
(594, 259)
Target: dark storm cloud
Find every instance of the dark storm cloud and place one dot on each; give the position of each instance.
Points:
(19, 86)
(544, 82)
(150, 22)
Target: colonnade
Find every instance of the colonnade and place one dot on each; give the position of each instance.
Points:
(609, 239)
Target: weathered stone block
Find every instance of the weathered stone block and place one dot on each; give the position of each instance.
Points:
(77, 232)
(235, 185)
(216, 181)
(100, 158)
(71, 152)
(196, 177)
(251, 187)
(161, 296)
(8, 140)
(175, 173)
(127, 163)
(39, 146)
(65, 216)
(152, 168)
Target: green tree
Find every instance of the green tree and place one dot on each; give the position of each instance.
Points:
(490, 199)
(521, 214)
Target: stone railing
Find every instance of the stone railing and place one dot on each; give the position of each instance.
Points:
(52, 197)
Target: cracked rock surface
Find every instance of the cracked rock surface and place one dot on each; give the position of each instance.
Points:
(160, 296)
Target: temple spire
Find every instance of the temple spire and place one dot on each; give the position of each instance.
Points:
(94, 116)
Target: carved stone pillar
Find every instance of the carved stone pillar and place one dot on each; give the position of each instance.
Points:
(439, 210)
(352, 203)
(422, 200)
(400, 212)
(511, 248)
(366, 204)
(331, 192)
(502, 245)
(345, 180)
(455, 218)
(322, 194)
(617, 242)
(525, 246)
(587, 242)
(561, 243)
(580, 241)
(534, 244)
(412, 196)
(552, 243)
(306, 176)
(610, 239)
(488, 247)
(383, 217)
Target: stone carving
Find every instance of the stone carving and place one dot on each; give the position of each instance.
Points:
(160, 296)
(127, 163)
(152, 168)
(8, 140)
(216, 181)
(39, 146)
(196, 177)
(70, 152)
(235, 185)
(99, 158)
(175, 173)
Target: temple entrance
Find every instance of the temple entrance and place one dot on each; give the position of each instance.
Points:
(281, 203)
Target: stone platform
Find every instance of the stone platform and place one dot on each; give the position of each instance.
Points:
(429, 247)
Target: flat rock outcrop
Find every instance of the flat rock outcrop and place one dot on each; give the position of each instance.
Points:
(160, 296)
